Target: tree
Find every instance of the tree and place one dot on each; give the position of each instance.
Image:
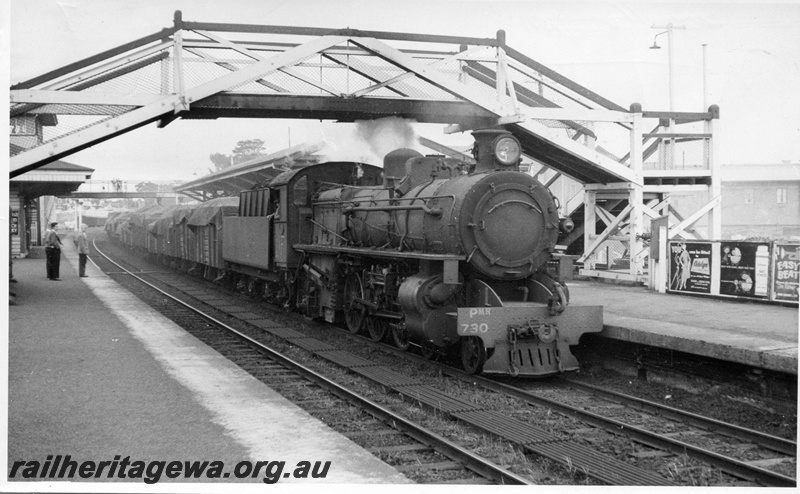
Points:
(221, 161)
(248, 150)
(244, 151)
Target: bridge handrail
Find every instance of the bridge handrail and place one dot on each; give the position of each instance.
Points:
(89, 61)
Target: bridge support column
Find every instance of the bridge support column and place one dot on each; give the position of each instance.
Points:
(636, 198)
(715, 188)
(616, 253)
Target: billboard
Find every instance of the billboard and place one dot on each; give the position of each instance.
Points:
(744, 269)
(690, 266)
(785, 272)
(740, 269)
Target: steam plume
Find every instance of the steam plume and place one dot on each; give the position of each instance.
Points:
(386, 134)
(368, 141)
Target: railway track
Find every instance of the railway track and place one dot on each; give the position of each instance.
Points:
(743, 453)
(737, 451)
(414, 448)
(574, 454)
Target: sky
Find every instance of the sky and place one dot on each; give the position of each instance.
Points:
(752, 61)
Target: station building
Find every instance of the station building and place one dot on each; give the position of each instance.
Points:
(758, 202)
(31, 201)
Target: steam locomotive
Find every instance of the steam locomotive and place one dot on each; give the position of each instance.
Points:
(429, 252)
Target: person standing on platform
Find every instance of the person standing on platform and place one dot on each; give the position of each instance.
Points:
(83, 252)
(53, 251)
(45, 238)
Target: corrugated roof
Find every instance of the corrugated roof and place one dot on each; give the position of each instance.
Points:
(231, 181)
(55, 165)
(65, 166)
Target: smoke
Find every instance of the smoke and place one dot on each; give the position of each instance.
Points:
(386, 134)
(340, 144)
(367, 141)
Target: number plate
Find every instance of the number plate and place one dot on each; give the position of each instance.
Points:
(491, 323)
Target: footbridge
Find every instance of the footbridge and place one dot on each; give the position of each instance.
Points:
(627, 161)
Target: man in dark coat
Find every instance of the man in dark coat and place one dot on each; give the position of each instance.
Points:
(53, 250)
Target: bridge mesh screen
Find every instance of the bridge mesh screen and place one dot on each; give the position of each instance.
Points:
(146, 74)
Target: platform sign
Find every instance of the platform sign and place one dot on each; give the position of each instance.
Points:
(15, 222)
(690, 266)
(786, 272)
(744, 269)
(23, 125)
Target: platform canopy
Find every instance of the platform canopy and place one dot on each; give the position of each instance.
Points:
(57, 178)
(231, 181)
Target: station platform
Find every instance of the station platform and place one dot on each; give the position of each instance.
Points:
(750, 333)
(97, 375)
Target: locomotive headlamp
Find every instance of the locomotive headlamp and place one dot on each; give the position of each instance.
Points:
(507, 150)
(566, 225)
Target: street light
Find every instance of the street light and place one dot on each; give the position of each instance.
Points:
(655, 45)
(669, 28)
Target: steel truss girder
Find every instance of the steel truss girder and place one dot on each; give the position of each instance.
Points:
(162, 106)
(497, 108)
(469, 105)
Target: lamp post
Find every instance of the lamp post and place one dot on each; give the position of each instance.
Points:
(668, 149)
(669, 28)
(705, 78)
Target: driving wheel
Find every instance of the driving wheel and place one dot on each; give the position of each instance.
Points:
(399, 337)
(377, 328)
(354, 312)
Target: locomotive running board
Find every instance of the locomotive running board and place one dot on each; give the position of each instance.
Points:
(362, 251)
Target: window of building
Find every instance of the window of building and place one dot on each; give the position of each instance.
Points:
(749, 196)
(782, 193)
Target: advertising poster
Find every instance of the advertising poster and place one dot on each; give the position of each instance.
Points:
(744, 269)
(690, 267)
(786, 273)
